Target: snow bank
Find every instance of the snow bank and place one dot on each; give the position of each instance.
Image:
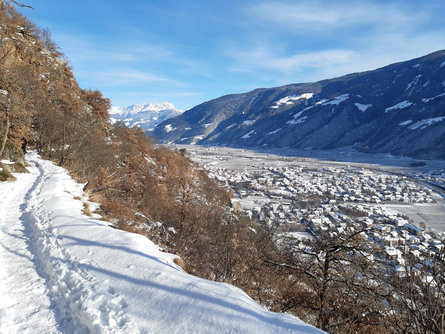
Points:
(91, 278)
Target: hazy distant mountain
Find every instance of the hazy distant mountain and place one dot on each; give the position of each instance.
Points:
(147, 116)
(399, 109)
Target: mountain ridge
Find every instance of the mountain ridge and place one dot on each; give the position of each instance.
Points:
(397, 109)
(145, 115)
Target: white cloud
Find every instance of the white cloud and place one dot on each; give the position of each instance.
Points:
(92, 48)
(347, 36)
(271, 64)
(266, 59)
(320, 15)
(118, 77)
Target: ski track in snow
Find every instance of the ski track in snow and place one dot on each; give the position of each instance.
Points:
(75, 302)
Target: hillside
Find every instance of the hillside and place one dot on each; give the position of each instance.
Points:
(397, 109)
(146, 116)
(141, 187)
(56, 251)
(85, 277)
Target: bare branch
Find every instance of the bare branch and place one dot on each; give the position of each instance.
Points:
(20, 4)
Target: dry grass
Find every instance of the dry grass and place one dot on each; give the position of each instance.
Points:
(180, 262)
(5, 175)
(86, 209)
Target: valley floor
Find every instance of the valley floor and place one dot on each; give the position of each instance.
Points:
(64, 272)
(244, 162)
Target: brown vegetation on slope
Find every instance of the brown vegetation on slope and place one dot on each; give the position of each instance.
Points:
(148, 189)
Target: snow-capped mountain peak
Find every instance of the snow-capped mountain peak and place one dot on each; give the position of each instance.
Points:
(145, 115)
(143, 107)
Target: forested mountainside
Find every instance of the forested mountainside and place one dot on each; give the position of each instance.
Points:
(397, 109)
(161, 194)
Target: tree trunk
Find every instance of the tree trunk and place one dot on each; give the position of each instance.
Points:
(5, 135)
(62, 155)
(323, 318)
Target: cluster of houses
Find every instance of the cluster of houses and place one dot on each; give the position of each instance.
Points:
(395, 234)
(336, 184)
(434, 178)
(337, 198)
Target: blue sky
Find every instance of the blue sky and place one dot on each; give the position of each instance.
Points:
(188, 52)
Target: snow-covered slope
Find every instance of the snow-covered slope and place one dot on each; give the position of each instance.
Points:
(147, 116)
(63, 272)
(370, 111)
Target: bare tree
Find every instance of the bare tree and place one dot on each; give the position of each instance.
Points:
(417, 301)
(17, 91)
(3, 2)
(331, 281)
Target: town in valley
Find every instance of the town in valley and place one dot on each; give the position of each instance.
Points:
(399, 208)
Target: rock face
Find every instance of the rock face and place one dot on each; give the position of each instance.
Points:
(398, 109)
(147, 116)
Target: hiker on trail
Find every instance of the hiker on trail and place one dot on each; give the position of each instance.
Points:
(24, 143)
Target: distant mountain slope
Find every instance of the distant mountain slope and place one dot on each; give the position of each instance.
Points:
(147, 116)
(399, 109)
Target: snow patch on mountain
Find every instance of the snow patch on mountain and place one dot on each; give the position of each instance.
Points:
(169, 128)
(401, 105)
(147, 116)
(289, 100)
(196, 139)
(247, 135)
(405, 123)
(433, 98)
(422, 124)
(297, 121)
(231, 126)
(273, 132)
(413, 83)
(363, 107)
(336, 101)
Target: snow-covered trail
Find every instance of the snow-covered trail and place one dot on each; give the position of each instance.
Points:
(63, 272)
(24, 304)
(44, 289)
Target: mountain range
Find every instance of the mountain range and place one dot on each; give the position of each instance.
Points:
(147, 116)
(397, 109)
